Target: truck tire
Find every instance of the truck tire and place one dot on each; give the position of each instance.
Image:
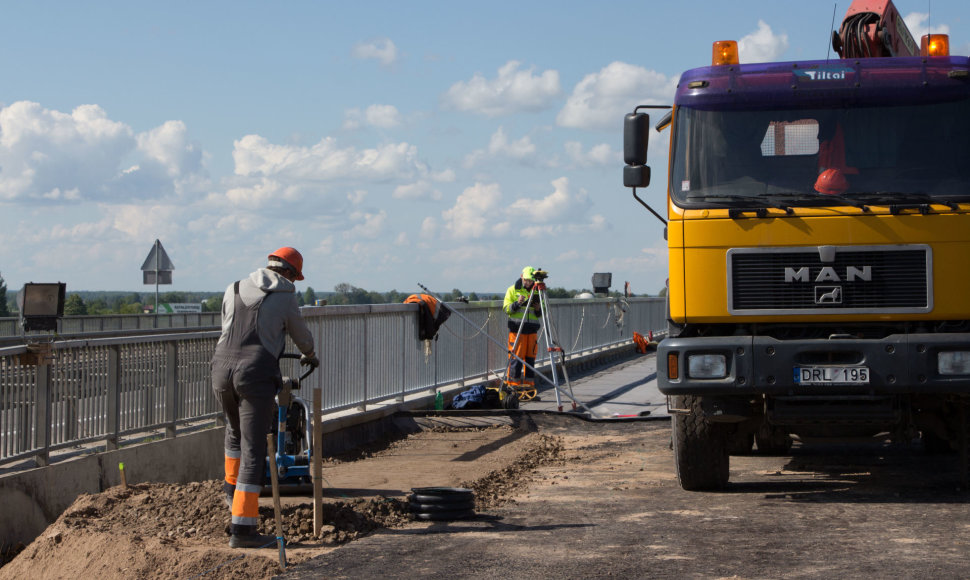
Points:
(772, 442)
(700, 448)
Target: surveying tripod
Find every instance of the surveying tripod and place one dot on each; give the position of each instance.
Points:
(557, 357)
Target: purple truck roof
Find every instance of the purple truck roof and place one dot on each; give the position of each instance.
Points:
(826, 83)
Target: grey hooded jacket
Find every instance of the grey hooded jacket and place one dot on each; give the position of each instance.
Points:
(279, 314)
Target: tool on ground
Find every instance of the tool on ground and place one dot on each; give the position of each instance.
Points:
(555, 384)
(276, 501)
(293, 432)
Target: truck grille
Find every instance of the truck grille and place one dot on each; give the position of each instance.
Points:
(852, 279)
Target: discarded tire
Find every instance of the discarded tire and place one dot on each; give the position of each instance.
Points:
(442, 503)
(443, 507)
(446, 516)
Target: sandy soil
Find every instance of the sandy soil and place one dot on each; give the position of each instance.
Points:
(180, 531)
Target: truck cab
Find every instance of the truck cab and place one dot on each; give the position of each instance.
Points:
(818, 229)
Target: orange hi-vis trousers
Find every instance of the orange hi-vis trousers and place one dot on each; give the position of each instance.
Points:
(517, 373)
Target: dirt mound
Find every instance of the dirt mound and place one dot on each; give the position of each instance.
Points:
(498, 487)
(180, 531)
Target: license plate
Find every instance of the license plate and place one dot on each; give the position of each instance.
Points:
(831, 375)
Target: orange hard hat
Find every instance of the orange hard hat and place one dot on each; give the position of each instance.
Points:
(291, 257)
(831, 182)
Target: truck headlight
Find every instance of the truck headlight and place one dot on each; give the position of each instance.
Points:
(706, 366)
(953, 362)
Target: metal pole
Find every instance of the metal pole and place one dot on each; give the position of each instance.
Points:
(157, 243)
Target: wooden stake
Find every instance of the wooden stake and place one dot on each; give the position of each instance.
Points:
(271, 448)
(317, 466)
(124, 479)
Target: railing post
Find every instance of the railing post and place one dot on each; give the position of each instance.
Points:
(461, 349)
(171, 387)
(363, 399)
(114, 394)
(42, 418)
(404, 359)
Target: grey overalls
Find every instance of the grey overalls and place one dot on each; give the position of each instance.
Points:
(245, 379)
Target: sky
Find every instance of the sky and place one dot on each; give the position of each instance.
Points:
(392, 143)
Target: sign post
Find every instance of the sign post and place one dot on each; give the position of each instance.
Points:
(157, 269)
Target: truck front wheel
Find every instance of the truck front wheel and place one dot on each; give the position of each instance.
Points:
(700, 448)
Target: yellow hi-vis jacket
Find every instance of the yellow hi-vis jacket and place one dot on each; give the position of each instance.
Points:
(517, 311)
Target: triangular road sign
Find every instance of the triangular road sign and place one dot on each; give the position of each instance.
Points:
(164, 263)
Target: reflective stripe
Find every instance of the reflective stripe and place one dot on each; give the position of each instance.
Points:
(234, 453)
(249, 488)
(244, 521)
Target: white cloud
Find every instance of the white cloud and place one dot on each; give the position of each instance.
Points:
(380, 116)
(255, 155)
(357, 196)
(429, 228)
(512, 91)
(763, 45)
(602, 155)
(918, 24)
(562, 211)
(479, 212)
(421, 189)
(324, 246)
(54, 156)
(499, 146)
(367, 225)
(381, 50)
(168, 146)
(475, 211)
(600, 100)
(445, 176)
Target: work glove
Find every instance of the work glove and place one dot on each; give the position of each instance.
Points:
(310, 359)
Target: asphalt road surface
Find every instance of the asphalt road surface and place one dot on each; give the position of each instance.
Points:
(611, 507)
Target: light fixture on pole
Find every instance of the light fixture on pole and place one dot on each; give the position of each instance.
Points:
(41, 305)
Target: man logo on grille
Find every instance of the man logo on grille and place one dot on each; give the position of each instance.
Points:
(828, 295)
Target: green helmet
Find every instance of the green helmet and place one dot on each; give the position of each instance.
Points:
(527, 273)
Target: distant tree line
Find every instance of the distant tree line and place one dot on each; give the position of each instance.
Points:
(101, 303)
(107, 302)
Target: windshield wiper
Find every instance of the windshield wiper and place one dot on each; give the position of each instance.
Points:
(754, 200)
(795, 197)
(897, 200)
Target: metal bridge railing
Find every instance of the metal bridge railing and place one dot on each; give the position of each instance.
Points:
(10, 326)
(104, 389)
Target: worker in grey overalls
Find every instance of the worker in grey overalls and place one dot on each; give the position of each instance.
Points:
(257, 314)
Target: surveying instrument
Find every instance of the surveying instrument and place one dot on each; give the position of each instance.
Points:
(557, 356)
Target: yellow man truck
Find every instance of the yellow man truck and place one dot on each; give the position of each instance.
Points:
(818, 226)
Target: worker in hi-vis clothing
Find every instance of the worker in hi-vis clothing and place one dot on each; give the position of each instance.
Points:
(257, 314)
(514, 305)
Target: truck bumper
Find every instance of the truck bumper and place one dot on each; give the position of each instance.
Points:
(897, 364)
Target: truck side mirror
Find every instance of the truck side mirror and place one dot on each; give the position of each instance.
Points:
(636, 137)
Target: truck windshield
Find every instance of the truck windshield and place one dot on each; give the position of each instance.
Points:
(803, 157)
